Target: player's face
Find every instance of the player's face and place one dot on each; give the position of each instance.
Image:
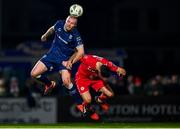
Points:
(71, 22)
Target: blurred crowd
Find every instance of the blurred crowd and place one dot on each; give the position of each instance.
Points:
(157, 85)
(12, 85)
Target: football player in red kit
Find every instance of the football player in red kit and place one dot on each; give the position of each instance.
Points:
(93, 72)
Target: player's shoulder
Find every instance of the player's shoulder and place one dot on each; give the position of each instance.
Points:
(60, 22)
(97, 57)
(88, 56)
(75, 32)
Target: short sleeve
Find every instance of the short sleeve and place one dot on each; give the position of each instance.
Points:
(57, 24)
(77, 39)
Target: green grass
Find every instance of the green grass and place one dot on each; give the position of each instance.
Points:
(94, 125)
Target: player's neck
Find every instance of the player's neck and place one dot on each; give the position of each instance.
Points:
(65, 29)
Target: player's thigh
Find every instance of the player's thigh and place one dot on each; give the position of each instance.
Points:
(106, 91)
(66, 76)
(38, 69)
(109, 88)
(86, 96)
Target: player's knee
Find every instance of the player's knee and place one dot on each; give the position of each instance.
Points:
(66, 83)
(88, 100)
(33, 74)
(111, 95)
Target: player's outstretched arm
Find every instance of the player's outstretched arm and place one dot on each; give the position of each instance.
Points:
(121, 71)
(48, 33)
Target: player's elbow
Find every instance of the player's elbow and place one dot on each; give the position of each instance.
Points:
(52, 30)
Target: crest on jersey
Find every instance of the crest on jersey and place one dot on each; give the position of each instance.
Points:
(70, 36)
(59, 29)
(82, 88)
(51, 68)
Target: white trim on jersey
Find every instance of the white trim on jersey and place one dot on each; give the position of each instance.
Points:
(81, 45)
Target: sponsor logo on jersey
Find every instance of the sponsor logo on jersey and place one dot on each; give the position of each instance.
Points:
(62, 39)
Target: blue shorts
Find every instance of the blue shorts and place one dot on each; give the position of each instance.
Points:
(52, 66)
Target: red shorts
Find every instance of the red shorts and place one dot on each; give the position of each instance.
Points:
(83, 84)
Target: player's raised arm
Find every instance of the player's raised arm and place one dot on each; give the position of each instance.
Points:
(48, 33)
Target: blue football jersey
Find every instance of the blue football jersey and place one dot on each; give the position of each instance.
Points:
(64, 43)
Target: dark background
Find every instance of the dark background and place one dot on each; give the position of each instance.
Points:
(115, 23)
(148, 30)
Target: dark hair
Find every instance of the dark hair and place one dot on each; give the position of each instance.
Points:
(105, 71)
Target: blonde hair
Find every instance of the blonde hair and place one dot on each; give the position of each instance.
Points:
(71, 16)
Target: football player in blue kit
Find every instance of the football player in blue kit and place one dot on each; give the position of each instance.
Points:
(67, 48)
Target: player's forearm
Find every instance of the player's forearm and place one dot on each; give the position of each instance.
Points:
(49, 32)
(77, 56)
(72, 57)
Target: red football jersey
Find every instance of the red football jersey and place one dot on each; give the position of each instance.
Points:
(88, 69)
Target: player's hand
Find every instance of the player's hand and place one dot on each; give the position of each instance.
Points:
(67, 64)
(121, 72)
(43, 38)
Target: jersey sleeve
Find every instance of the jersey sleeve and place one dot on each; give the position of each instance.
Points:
(57, 24)
(108, 63)
(77, 39)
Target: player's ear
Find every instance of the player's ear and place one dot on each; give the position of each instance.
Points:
(76, 22)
